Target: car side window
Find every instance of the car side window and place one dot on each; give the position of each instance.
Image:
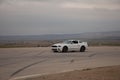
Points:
(75, 42)
(80, 41)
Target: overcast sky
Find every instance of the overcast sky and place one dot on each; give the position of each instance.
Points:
(36, 17)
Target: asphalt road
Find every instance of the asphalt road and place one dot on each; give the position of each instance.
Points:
(17, 62)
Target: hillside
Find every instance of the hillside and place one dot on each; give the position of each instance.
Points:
(89, 35)
(93, 38)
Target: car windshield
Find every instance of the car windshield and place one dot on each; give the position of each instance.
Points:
(67, 42)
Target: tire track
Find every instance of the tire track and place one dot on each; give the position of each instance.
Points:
(46, 57)
(19, 57)
(92, 55)
(25, 67)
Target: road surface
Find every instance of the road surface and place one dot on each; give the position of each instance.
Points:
(17, 62)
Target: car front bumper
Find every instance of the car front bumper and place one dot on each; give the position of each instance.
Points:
(56, 49)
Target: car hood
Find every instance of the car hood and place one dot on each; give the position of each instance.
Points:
(59, 44)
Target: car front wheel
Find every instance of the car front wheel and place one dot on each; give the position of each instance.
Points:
(65, 49)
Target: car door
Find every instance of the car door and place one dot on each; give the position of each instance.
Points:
(75, 45)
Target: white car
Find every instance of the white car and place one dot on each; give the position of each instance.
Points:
(70, 45)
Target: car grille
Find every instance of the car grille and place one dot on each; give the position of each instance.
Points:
(54, 46)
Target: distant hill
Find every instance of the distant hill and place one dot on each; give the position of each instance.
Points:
(111, 38)
(89, 35)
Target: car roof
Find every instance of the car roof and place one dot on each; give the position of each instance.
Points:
(73, 40)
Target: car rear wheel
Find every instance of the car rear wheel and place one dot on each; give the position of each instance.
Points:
(82, 49)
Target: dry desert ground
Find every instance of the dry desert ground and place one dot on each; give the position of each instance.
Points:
(31, 63)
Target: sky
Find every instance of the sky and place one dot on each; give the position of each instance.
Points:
(38, 17)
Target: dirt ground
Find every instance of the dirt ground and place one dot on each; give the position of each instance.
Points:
(19, 63)
(100, 73)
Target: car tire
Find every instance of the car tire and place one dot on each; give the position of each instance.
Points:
(82, 49)
(65, 49)
(55, 51)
